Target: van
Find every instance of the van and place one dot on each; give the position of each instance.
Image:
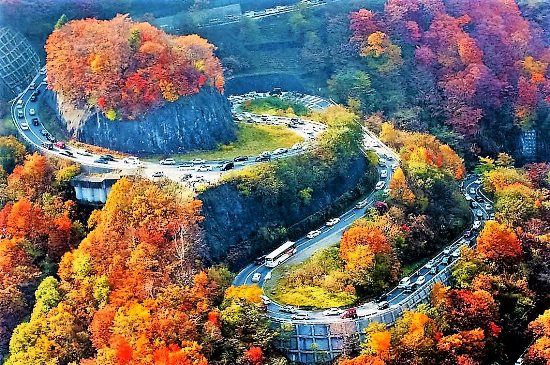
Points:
(349, 313)
(256, 277)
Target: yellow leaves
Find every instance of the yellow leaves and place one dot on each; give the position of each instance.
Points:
(399, 189)
(97, 62)
(534, 67)
(199, 65)
(250, 293)
(379, 44)
(169, 91)
(380, 343)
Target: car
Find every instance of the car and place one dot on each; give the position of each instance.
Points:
(433, 270)
(383, 305)
(35, 122)
(384, 174)
(101, 160)
(380, 185)
(20, 103)
(108, 157)
(24, 126)
(332, 222)
(66, 153)
(32, 111)
(133, 160)
(300, 316)
(265, 299)
(20, 114)
(468, 234)
(469, 198)
(479, 199)
(456, 253)
(430, 264)
(267, 276)
(203, 168)
(362, 204)
(381, 298)
(287, 309)
(313, 234)
(84, 153)
(382, 163)
(477, 181)
(445, 260)
(51, 138)
(256, 277)
(186, 165)
(479, 213)
(477, 225)
(447, 251)
(47, 145)
(263, 158)
(227, 166)
(474, 204)
(168, 161)
(33, 98)
(32, 86)
(185, 177)
(472, 191)
(60, 144)
(158, 174)
(492, 216)
(36, 92)
(404, 282)
(44, 132)
(198, 161)
(265, 154)
(349, 313)
(280, 151)
(488, 206)
(297, 146)
(409, 288)
(333, 312)
(240, 158)
(420, 280)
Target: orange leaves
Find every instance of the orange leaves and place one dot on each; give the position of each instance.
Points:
(254, 355)
(188, 354)
(144, 65)
(359, 245)
(469, 51)
(399, 189)
(499, 243)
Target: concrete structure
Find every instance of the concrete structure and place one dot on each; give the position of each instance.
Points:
(19, 63)
(94, 188)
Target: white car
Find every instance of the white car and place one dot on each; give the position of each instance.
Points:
(25, 126)
(332, 222)
(32, 112)
(168, 161)
(361, 204)
(421, 280)
(473, 191)
(131, 160)
(300, 316)
(313, 234)
(380, 185)
(430, 264)
(267, 276)
(198, 161)
(384, 174)
(203, 168)
(456, 253)
(280, 151)
(256, 277)
(333, 312)
(488, 206)
(476, 225)
(478, 181)
(404, 282)
(20, 103)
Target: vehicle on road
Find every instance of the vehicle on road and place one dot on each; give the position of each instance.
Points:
(333, 312)
(47, 145)
(66, 153)
(281, 254)
(409, 288)
(203, 168)
(227, 166)
(300, 316)
(313, 234)
(349, 313)
(51, 138)
(198, 161)
(263, 158)
(168, 161)
(287, 309)
(430, 264)
(256, 277)
(479, 213)
(420, 280)
(297, 146)
(158, 174)
(32, 111)
(477, 181)
(20, 103)
(265, 154)
(383, 305)
(33, 98)
(84, 153)
(44, 132)
(35, 122)
(332, 222)
(280, 151)
(472, 191)
(476, 225)
(24, 126)
(447, 251)
(404, 282)
(382, 163)
(362, 204)
(456, 253)
(32, 86)
(267, 276)
(479, 199)
(445, 260)
(108, 157)
(60, 144)
(240, 158)
(185, 177)
(186, 165)
(492, 216)
(380, 185)
(20, 114)
(474, 204)
(101, 160)
(384, 174)
(433, 270)
(133, 160)
(488, 206)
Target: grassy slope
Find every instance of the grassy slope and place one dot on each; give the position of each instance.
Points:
(251, 140)
(6, 126)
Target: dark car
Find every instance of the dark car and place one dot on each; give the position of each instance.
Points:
(227, 166)
(108, 157)
(48, 145)
(101, 160)
(33, 97)
(260, 260)
(468, 234)
(35, 122)
(44, 132)
(66, 153)
(263, 158)
(381, 298)
(240, 158)
(36, 92)
(51, 138)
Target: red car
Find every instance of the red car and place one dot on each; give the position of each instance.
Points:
(59, 144)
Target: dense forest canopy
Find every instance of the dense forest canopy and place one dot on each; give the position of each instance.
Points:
(126, 68)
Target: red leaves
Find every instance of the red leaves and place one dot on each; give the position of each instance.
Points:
(254, 355)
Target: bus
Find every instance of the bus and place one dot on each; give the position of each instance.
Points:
(281, 254)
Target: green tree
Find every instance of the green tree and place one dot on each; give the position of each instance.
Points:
(61, 21)
(12, 152)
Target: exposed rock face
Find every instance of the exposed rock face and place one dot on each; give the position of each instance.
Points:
(199, 121)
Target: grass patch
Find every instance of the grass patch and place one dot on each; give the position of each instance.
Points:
(409, 268)
(275, 106)
(318, 282)
(252, 139)
(7, 128)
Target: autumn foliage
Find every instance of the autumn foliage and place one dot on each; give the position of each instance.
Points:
(126, 68)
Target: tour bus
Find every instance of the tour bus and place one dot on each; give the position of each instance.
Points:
(280, 254)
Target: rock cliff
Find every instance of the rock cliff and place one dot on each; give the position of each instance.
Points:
(199, 121)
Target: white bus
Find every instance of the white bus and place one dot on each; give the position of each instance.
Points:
(281, 254)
